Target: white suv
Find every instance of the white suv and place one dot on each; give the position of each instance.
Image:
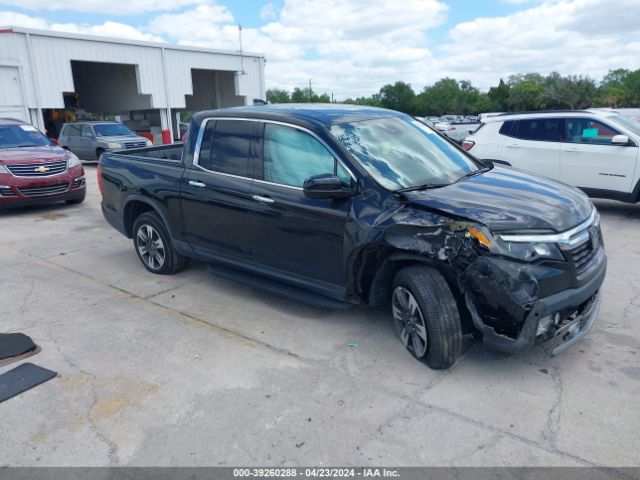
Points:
(595, 150)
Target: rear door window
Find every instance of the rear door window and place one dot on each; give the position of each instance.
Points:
(226, 147)
(586, 130)
(539, 129)
(507, 128)
(72, 130)
(86, 131)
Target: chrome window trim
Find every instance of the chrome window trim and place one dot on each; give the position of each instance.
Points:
(203, 125)
(568, 239)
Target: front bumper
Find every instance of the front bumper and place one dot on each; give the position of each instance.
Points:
(584, 300)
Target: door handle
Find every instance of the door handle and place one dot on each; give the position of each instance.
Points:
(261, 199)
(571, 149)
(195, 183)
(513, 145)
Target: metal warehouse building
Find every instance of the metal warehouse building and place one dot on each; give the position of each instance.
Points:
(47, 78)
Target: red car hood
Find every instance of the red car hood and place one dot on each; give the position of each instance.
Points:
(10, 156)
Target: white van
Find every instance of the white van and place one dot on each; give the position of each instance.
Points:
(596, 151)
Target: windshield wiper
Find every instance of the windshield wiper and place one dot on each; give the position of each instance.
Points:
(424, 186)
(474, 173)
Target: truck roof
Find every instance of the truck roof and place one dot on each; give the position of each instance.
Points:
(324, 114)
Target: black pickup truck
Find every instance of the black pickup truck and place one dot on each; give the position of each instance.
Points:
(338, 205)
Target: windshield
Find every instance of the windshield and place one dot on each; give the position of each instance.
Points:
(111, 130)
(12, 136)
(626, 122)
(402, 152)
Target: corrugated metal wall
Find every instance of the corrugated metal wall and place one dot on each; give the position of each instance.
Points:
(48, 73)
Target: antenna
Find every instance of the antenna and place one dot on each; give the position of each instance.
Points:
(242, 72)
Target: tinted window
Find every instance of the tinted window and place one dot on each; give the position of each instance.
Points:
(291, 156)
(112, 130)
(86, 131)
(72, 130)
(225, 147)
(585, 130)
(542, 129)
(507, 128)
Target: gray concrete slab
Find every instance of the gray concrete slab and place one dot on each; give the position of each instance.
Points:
(195, 370)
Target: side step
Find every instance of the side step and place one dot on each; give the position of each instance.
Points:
(279, 288)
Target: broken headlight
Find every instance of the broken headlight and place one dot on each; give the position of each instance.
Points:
(525, 251)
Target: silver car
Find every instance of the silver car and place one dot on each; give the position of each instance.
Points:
(89, 140)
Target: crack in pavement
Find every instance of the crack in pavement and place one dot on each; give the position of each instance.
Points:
(111, 445)
(552, 426)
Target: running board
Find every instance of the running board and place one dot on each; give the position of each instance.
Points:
(278, 288)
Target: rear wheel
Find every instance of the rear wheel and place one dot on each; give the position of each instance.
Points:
(426, 316)
(154, 246)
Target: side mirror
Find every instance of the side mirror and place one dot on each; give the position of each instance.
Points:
(620, 140)
(53, 142)
(326, 186)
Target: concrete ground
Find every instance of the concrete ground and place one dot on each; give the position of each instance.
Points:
(195, 370)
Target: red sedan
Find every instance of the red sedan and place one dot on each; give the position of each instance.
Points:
(34, 171)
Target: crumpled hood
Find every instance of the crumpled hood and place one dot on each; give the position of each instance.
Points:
(509, 199)
(9, 156)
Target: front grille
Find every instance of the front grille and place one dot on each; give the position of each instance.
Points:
(40, 169)
(582, 254)
(45, 190)
(135, 144)
(7, 192)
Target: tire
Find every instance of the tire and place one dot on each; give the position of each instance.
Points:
(99, 153)
(154, 247)
(426, 316)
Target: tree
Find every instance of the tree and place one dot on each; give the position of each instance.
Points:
(526, 92)
(573, 92)
(399, 96)
(499, 97)
(277, 95)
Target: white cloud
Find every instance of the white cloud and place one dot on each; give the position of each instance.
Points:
(108, 29)
(268, 11)
(353, 47)
(570, 37)
(108, 7)
(20, 20)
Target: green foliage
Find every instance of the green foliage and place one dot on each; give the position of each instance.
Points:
(399, 96)
(277, 95)
(531, 91)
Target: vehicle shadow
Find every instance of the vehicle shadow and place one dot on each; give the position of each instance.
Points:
(618, 210)
(43, 209)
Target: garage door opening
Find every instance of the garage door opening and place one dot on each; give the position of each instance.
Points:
(105, 91)
(108, 88)
(212, 89)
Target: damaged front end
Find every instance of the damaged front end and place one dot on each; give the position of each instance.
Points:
(519, 290)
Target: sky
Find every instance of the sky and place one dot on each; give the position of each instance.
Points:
(351, 48)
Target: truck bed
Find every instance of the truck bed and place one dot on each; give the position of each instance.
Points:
(161, 152)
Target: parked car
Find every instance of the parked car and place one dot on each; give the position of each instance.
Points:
(90, 139)
(340, 205)
(596, 151)
(33, 170)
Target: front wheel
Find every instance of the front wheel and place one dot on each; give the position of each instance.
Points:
(426, 316)
(154, 246)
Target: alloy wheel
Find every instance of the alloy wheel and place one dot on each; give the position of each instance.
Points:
(150, 247)
(409, 321)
